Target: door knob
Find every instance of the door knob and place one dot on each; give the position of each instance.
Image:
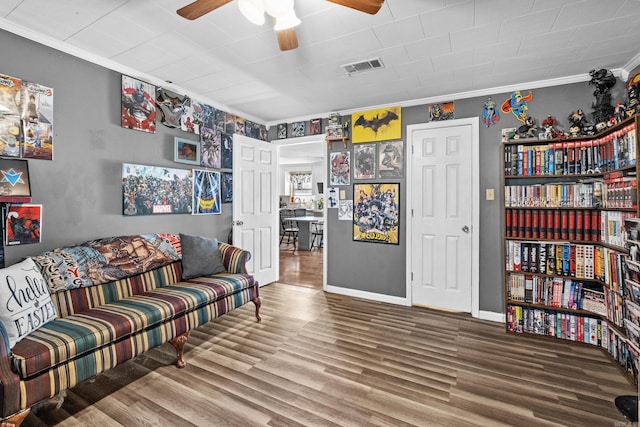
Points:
(465, 229)
(237, 223)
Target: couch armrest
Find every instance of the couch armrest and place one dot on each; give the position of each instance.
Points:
(234, 259)
(9, 381)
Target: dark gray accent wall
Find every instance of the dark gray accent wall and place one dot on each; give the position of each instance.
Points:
(82, 197)
(381, 268)
(80, 189)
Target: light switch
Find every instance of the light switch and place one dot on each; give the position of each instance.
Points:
(343, 194)
(490, 194)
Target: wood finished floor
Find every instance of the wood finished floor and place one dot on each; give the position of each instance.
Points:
(321, 359)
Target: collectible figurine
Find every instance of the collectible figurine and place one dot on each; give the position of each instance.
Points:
(578, 123)
(549, 124)
(603, 80)
(528, 129)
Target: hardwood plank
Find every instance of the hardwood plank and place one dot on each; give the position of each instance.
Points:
(320, 359)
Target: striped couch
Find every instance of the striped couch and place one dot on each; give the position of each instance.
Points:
(98, 327)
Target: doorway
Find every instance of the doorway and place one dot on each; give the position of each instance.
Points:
(443, 191)
(299, 157)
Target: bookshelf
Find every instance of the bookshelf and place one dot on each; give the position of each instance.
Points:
(566, 208)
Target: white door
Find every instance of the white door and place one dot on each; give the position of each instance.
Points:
(255, 205)
(442, 222)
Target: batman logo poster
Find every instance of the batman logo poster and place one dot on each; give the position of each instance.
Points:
(382, 124)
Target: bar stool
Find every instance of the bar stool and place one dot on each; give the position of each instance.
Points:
(317, 234)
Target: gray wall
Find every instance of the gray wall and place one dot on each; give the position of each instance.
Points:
(80, 189)
(82, 198)
(380, 268)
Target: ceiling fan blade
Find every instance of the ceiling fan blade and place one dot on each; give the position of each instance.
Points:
(287, 39)
(200, 7)
(368, 6)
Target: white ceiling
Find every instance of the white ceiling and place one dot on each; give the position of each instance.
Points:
(430, 48)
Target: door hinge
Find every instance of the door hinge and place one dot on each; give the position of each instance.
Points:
(412, 276)
(411, 149)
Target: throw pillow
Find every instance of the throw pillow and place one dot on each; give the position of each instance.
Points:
(200, 256)
(26, 303)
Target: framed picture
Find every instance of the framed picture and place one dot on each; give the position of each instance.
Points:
(138, 105)
(153, 190)
(297, 129)
(206, 192)
(382, 124)
(376, 213)
(186, 151)
(315, 127)
(364, 161)
(227, 187)
(23, 224)
(282, 130)
(210, 141)
(340, 169)
(391, 159)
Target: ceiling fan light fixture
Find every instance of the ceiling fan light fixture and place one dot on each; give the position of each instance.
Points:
(287, 21)
(253, 10)
(278, 8)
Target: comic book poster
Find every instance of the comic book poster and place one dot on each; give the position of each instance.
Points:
(264, 135)
(36, 104)
(221, 119)
(210, 141)
(377, 125)
(364, 161)
(376, 213)
(10, 116)
(229, 123)
(171, 106)
(227, 151)
(340, 173)
(208, 116)
(315, 127)
(190, 120)
(138, 109)
(345, 210)
(227, 187)
(10, 136)
(240, 126)
(442, 111)
(151, 190)
(23, 224)
(391, 159)
(206, 192)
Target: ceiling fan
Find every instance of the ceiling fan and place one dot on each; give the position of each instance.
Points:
(281, 10)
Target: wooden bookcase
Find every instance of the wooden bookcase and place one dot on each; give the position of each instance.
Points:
(564, 244)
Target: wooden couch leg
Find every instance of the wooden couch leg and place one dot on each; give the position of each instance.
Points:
(258, 303)
(15, 420)
(179, 342)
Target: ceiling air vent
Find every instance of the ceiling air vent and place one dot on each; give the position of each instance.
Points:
(360, 67)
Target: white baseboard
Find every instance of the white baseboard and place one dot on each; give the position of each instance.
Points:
(366, 295)
(492, 316)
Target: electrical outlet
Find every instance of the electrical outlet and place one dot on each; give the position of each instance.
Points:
(490, 194)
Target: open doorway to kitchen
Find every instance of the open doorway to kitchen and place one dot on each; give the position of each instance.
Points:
(301, 184)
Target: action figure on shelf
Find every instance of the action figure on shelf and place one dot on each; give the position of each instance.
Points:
(603, 80)
(549, 124)
(578, 122)
(528, 129)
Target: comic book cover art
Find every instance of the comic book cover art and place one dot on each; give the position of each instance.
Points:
(36, 103)
(10, 96)
(227, 151)
(391, 159)
(221, 120)
(264, 135)
(151, 190)
(10, 136)
(227, 187)
(377, 125)
(138, 105)
(192, 118)
(442, 111)
(37, 140)
(240, 126)
(23, 224)
(171, 106)
(230, 123)
(206, 192)
(315, 127)
(208, 116)
(340, 172)
(364, 161)
(376, 213)
(210, 141)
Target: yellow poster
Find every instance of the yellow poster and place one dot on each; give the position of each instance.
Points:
(377, 125)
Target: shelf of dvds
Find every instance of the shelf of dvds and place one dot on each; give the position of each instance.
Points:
(567, 207)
